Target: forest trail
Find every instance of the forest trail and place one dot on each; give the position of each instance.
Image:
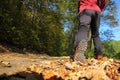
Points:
(16, 66)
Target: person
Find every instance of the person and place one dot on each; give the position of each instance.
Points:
(89, 20)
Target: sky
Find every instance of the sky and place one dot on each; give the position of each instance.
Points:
(116, 31)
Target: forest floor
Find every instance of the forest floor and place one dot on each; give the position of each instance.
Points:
(29, 66)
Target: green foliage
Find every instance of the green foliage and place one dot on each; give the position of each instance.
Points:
(32, 25)
(111, 49)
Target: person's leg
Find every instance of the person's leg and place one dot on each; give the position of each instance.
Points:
(82, 35)
(84, 25)
(95, 34)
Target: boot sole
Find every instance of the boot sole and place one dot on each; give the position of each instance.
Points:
(79, 55)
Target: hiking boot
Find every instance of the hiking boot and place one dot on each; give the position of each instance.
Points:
(80, 50)
(99, 56)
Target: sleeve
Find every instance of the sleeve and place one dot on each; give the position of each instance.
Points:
(103, 3)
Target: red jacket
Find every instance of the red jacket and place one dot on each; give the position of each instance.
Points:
(91, 4)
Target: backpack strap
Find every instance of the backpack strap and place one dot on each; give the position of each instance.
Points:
(99, 2)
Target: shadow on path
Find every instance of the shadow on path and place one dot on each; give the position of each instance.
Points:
(27, 76)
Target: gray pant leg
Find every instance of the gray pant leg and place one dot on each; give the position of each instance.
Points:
(84, 25)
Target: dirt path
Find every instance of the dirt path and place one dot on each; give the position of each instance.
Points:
(14, 66)
(10, 63)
